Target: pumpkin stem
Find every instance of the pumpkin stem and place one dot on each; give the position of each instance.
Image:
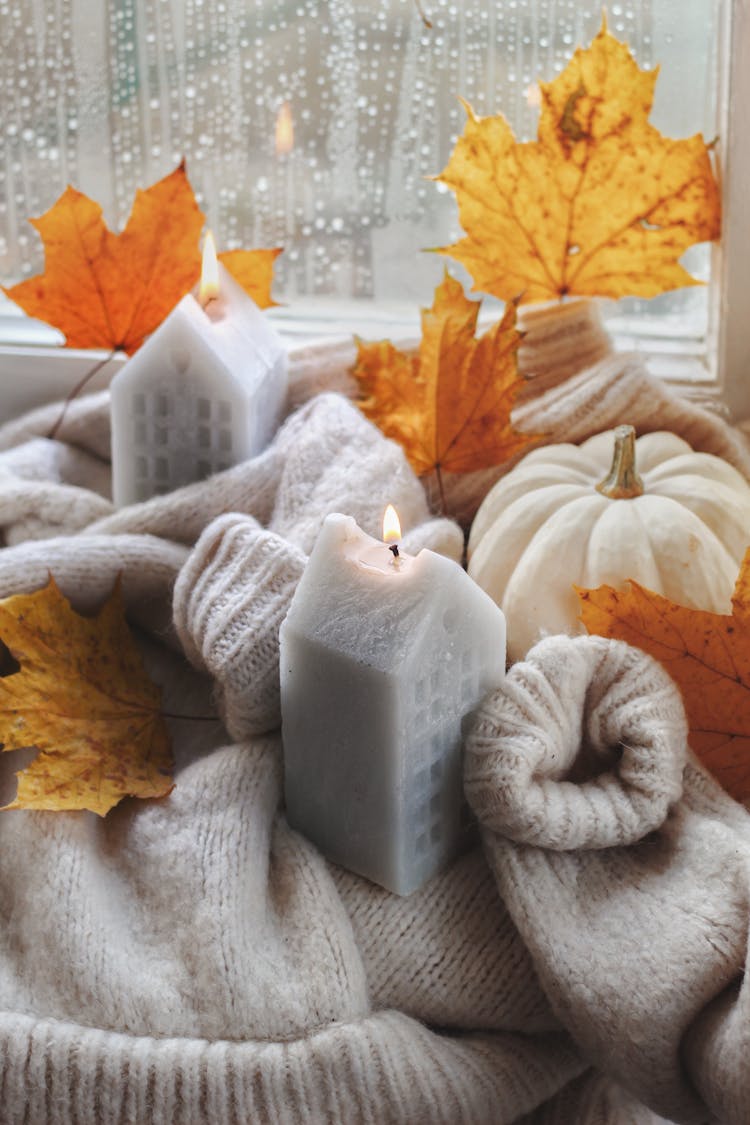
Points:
(622, 482)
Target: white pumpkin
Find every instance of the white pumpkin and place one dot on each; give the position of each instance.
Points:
(680, 528)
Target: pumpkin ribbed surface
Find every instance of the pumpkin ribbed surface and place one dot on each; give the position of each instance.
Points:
(544, 527)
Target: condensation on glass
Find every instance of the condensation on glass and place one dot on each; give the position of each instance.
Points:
(311, 125)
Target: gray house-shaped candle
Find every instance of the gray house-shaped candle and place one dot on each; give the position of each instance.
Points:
(206, 391)
(380, 664)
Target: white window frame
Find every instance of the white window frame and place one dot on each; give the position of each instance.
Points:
(730, 314)
(33, 373)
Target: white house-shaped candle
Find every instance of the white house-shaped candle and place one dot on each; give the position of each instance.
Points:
(382, 657)
(205, 392)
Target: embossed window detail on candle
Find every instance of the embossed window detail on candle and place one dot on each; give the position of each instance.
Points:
(442, 776)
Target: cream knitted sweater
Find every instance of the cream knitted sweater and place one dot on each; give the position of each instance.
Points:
(194, 961)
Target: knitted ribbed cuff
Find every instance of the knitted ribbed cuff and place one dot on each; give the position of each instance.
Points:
(229, 601)
(583, 747)
(383, 1070)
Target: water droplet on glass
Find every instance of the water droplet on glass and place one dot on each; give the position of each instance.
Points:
(375, 113)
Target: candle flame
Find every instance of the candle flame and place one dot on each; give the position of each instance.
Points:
(209, 286)
(391, 525)
(284, 130)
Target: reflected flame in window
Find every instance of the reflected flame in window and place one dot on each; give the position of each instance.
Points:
(284, 130)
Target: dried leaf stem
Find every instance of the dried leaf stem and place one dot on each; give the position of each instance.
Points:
(100, 363)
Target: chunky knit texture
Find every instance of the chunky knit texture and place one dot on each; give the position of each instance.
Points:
(577, 386)
(194, 962)
(229, 602)
(593, 1099)
(615, 389)
(231, 598)
(599, 751)
(634, 905)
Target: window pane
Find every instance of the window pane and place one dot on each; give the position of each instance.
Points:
(110, 94)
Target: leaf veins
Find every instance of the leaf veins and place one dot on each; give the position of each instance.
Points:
(706, 654)
(600, 204)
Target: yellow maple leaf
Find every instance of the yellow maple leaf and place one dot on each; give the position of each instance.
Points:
(83, 699)
(449, 405)
(601, 204)
(706, 654)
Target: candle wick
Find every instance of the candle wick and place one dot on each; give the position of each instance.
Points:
(393, 547)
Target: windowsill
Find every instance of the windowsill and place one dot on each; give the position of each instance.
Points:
(35, 369)
(670, 351)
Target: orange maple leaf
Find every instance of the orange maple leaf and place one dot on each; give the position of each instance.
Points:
(83, 699)
(706, 654)
(106, 290)
(601, 204)
(449, 405)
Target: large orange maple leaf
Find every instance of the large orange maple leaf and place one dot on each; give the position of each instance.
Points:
(82, 697)
(707, 655)
(601, 204)
(107, 290)
(448, 405)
